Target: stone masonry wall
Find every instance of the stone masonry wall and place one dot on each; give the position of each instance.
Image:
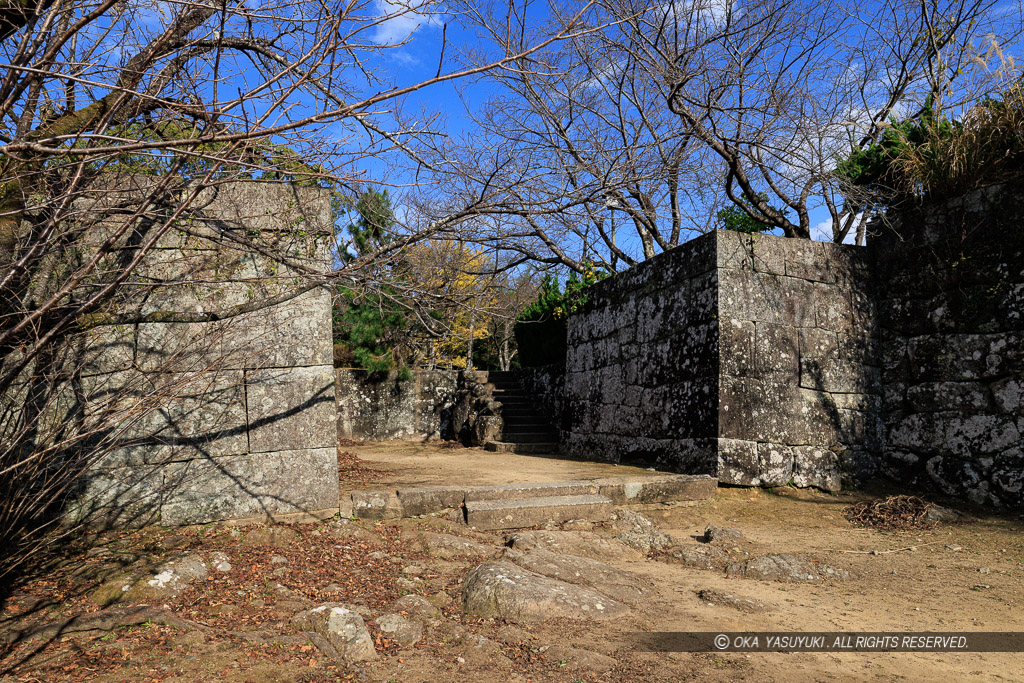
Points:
(377, 409)
(952, 318)
(546, 384)
(799, 382)
(641, 377)
(750, 357)
(229, 419)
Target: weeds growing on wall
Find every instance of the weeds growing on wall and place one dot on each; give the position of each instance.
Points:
(936, 156)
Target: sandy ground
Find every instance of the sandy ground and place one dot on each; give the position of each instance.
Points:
(414, 463)
(963, 576)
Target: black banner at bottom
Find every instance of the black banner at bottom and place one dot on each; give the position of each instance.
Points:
(788, 641)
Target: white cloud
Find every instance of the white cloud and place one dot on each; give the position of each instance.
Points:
(401, 19)
(822, 232)
(703, 13)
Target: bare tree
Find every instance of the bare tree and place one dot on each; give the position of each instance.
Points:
(762, 99)
(118, 118)
(575, 159)
(779, 91)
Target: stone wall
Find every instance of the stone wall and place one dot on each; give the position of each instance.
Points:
(641, 376)
(546, 384)
(753, 358)
(952, 317)
(230, 419)
(799, 376)
(377, 408)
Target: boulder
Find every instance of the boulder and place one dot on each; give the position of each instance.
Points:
(416, 605)
(580, 543)
(342, 629)
(501, 589)
(581, 571)
(399, 629)
(638, 532)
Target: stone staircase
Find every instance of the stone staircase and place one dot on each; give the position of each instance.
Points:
(514, 506)
(526, 429)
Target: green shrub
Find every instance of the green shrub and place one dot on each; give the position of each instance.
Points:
(543, 326)
(935, 156)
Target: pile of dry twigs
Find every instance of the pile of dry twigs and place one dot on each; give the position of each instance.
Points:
(894, 513)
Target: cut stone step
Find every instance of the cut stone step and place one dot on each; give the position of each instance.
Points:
(538, 490)
(525, 512)
(520, 448)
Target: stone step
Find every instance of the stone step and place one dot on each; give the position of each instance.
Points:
(629, 490)
(521, 448)
(523, 427)
(526, 512)
(547, 489)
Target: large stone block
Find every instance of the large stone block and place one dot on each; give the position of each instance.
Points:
(777, 350)
(147, 418)
(832, 308)
(736, 348)
(817, 467)
(972, 436)
(747, 295)
(806, 260)
(733, 250)
(839, 376)
(937, 396)
(126, 497)
(738, 463)
(256, 485)
(283, 211)
(775, 464)
(293, 333)
(103, 350)
(291, 409)
(189, 347)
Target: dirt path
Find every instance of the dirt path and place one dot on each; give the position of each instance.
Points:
(235, 625)
(412, 463)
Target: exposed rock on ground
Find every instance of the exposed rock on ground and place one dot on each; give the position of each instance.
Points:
(478, 651)
(581, 543)
(403, 631)
(713, 534)
(342, 629)
(638, 532)
(447, 546)
(501, 589)
(698, 556)
(109, 620)
(582, 571)
(576, 659)
(168, 579)
(717, 597)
